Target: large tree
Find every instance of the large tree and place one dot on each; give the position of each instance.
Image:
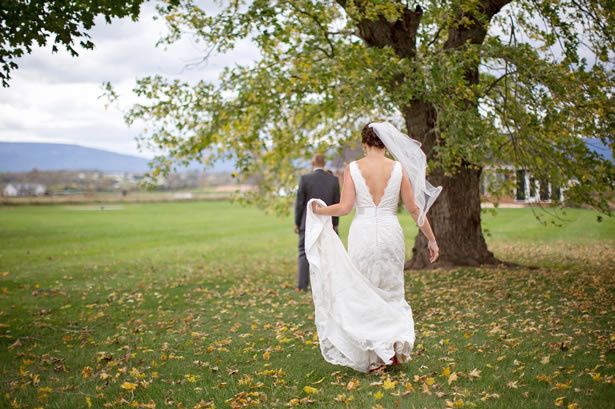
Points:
(24, 23)
(476, 81)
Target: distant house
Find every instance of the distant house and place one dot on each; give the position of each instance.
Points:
(39, 190)
(10, 191)
(528, 188)
(24, 189)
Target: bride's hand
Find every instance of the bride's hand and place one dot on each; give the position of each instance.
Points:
(315, 207)
(434, 251)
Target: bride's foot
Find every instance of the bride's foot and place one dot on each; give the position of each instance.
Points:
(377, 368)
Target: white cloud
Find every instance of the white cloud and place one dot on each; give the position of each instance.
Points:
(54, 97)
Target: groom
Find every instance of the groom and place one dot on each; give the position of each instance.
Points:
(316, 184)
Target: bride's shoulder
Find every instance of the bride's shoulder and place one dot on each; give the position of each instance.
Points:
(390, 162)
(352, 164)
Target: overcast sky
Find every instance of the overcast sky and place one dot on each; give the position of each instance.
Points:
(54, 97)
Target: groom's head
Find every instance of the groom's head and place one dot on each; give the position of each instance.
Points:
(318, 161)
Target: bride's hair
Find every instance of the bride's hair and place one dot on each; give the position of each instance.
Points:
(370, 138)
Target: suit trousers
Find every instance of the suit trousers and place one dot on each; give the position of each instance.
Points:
(303, 274)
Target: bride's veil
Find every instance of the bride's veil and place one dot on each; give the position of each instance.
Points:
(409, 153)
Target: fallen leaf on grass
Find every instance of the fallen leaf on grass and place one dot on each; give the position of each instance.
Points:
(309, 390)
(353, 384)
(560, 385)
(86, 372)
(129, 386)
(342, 398)
(389, 384)
(457, 403)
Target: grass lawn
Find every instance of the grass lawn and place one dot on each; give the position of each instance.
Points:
(191, 305)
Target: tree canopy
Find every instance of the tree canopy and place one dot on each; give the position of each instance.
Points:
(517, 82)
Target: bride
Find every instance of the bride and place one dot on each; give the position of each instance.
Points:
(362, 317)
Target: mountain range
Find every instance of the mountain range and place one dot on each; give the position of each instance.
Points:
(25, 156)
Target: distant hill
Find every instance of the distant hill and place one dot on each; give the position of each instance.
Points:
(25, 156)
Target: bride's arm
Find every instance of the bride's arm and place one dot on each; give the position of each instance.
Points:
(347, 198)
(407, 196)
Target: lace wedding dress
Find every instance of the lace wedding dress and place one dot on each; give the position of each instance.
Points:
(361, 314)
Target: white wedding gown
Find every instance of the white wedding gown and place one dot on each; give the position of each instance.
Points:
(361, 314)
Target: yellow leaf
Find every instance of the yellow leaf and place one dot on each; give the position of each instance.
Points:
(266, 355)
(559, 402)
(353, 384)
(135, 372)
(446, 372)
(426, 389)
(408, 387)
(192, 378)
(474, 373)
(389, 384)
(430, 381)
(88, 401)
(86, 372)
(543, 378)
(566, 385)
(573, 406)
(452, 378)
(200, 405)
(309, 390)
(343, 398)
(457, 403)
(129, 386)
(378, 395)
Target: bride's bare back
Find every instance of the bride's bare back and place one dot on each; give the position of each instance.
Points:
(376, 172)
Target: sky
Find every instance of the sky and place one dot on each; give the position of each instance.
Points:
(55, 97)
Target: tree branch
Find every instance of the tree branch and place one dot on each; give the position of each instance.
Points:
(323, 29)
(399, 34)
(476, 31)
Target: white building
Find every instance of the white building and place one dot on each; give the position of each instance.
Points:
(10, 190)
(24, 189)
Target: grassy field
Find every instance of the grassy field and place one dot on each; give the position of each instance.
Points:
(191, 305)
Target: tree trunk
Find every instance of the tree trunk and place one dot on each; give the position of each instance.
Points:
(455, 220)
(455, 216)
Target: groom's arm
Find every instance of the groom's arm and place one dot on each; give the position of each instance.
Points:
(300, 203)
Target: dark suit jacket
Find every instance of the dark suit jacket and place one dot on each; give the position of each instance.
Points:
(317, 184)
